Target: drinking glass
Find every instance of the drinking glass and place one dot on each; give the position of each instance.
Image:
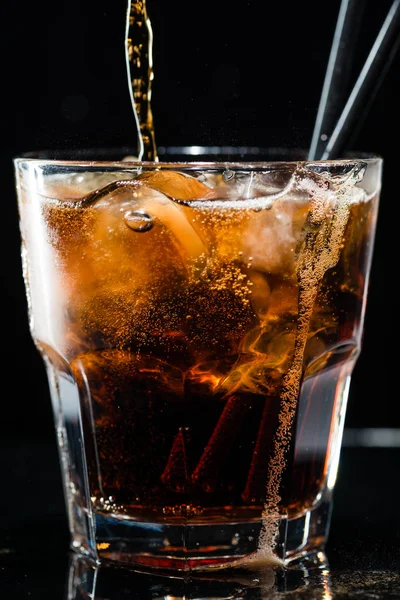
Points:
(199, 321)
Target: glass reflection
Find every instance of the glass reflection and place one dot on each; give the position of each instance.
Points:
(305, 580)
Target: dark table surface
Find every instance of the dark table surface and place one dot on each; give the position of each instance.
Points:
(362, 555)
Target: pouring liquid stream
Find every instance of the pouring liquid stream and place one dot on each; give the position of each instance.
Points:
(139, 63)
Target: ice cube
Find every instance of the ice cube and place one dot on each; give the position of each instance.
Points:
(172, 217)
(260, 293)
(175, 474)
(177, 186)
(141, 318)
(283, 301)
(125, 205)
(271, 236)
(127, 395)
(225, 433)
(218, 309)
(254, 491)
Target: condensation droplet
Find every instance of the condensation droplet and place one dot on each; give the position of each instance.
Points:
(138, 220)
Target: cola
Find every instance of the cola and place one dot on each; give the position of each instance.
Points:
(208, 334)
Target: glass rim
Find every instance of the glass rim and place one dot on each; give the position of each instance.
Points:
(293, 157)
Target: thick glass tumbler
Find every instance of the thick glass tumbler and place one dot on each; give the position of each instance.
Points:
(199, 323)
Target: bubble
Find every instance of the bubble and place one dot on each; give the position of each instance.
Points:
(138, 220)
(360, 175)
(228, 175)
(263, 203)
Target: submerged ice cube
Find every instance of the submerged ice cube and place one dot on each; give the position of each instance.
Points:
(140, 205)
(271, 236)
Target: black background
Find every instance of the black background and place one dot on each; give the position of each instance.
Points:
(245, 73)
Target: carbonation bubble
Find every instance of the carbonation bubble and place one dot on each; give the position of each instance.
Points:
(263, 203)
(138, 220)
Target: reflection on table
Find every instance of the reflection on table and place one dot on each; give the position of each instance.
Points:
(305, 579)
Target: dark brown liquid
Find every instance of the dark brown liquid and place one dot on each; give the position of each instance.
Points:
(170, 447)
(182, 345)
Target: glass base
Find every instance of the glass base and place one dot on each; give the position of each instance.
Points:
(205, 547)
(309, 576)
